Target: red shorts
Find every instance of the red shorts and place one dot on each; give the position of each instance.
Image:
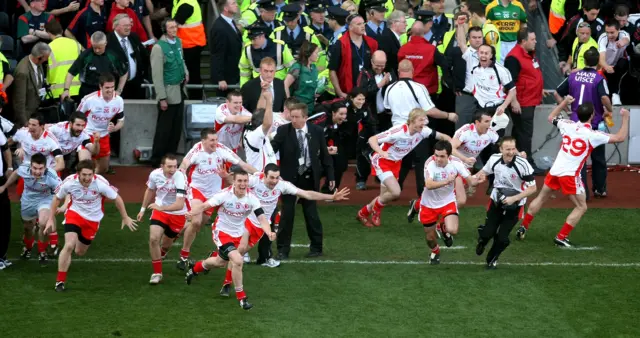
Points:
(255, 233)
(430, 216)
(383, 168)
(196, 194)
(105, 147)
(221, 238)
(569, 185)
(172, 224)
(87, 229)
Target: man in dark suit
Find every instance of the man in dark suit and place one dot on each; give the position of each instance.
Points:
(253, 88)
(27, 89)
(307, 158)
(389, 40)
(225, 47)
(133, 55)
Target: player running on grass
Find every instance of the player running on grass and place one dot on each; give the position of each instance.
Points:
(73, 136)
(268, 187)
(235, 204)
(578, 140)
(203, 164)
(438, 198)
(389, 148)
(82, 218)
(35, 202)
(169, 186)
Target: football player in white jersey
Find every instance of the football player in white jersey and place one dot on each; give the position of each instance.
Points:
(82, 219)
(389, 148)
(236, 204)
(169, 186)
(101, 107)
(578, 140)
(230, 120)
(256, 143)
(204, 164)
(72, 136)
(438, 199)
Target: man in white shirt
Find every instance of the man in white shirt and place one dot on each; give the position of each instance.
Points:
(612, 45)
(257, 146)
(466, 104)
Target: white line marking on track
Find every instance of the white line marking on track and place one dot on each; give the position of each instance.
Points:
(357, 262)
(583, 248)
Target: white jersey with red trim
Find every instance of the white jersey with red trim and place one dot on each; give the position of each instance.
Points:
(168, 189)
(87, 202)
(257, 140)
(472, 143)
(268, 197)
(578, 140)
(229, 134)
(46, 145)
(438, 198)
(233, 211)
(278, 120)
(69, 143)
(398, 142)
(100, 112)
(204, 167)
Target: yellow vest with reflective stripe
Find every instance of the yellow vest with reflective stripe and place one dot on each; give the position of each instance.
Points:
(487, 28)
(579, 63)
(2, 59)
(192, 32)
(64, 52)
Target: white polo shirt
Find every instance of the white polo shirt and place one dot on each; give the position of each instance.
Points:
(490, 84)
(400, 100)
(612, 52)
(470, 56)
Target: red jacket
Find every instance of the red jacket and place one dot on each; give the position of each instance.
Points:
(345, 77)
(137, 26)
(422, 55)
(529, 84)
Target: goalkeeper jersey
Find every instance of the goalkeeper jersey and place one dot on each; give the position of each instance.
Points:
(507, 19)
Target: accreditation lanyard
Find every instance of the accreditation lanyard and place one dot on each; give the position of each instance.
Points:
(360, 54)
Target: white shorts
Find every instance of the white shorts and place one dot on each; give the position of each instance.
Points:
(29, 209)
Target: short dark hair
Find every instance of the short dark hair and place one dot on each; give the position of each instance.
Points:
(622, 10)
(302, 107)
(337, 106)
(588, 5)
(168, 157)
(357, 91)
(85, 164)
(270, 167)
(206, 132)
(585, 111)
(480, 113)
(77, 115)
(53, 27)
(233, 93)
(507, 139)
(443, 145)
(613, 23)
(38, 117)
(591, 57)
(106, 77)
(240, 172)
(476, 7)
(39, 158)
(291, 101)
(475, 29)
(523, 34)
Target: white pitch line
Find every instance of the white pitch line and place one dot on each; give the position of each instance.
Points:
(357, 262)
(582, 248)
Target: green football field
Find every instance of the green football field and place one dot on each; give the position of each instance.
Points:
(371, 282)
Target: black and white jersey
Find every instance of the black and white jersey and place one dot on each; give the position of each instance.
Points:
(7, 127)
(516, 175)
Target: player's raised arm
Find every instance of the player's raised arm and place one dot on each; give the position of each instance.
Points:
(316, 196)
(623, 133)
(247, 167)
(560, 107)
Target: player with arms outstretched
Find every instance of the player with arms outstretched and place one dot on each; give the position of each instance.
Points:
(578, 140)
(82, 218)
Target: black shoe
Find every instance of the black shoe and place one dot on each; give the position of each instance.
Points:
(563, 242)
(245, 305)
(224, 291)
(314, 254)
(43, 260)
(480, 247)
(282, 256)
(434, 259)
(52, 251)
(448, 239)
(492, 265)
(412, 211)
(189, 277)
(521, 233)
(598, 194)
(59, 286)
(183, 264)
(26, 254)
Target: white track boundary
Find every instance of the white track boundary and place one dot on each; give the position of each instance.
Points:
(359, 262)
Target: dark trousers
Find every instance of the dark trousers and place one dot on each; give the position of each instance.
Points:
(133, 89)
(86, 90)
(363, 164)
(311, 217)
(619, 70)
(168, 132)
(5, 221)
(340, 164)
(264, 245)
(498, 225)
(192, 61)
(384, 122)
(523, 129)
(416, 159)
(598, 171)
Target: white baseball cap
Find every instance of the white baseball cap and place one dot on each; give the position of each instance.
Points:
(499, 122)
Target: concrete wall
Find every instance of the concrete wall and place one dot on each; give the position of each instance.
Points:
(141, 115)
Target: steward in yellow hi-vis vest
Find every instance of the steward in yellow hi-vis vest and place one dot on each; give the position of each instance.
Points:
(64, 52)
(259, 48)
(293, 34)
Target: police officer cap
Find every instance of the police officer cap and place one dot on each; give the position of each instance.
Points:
(268, 5)
(376, 5)
(290, 11)
(336, 12)
(425, 15)
(256, 29)
(316, 6)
